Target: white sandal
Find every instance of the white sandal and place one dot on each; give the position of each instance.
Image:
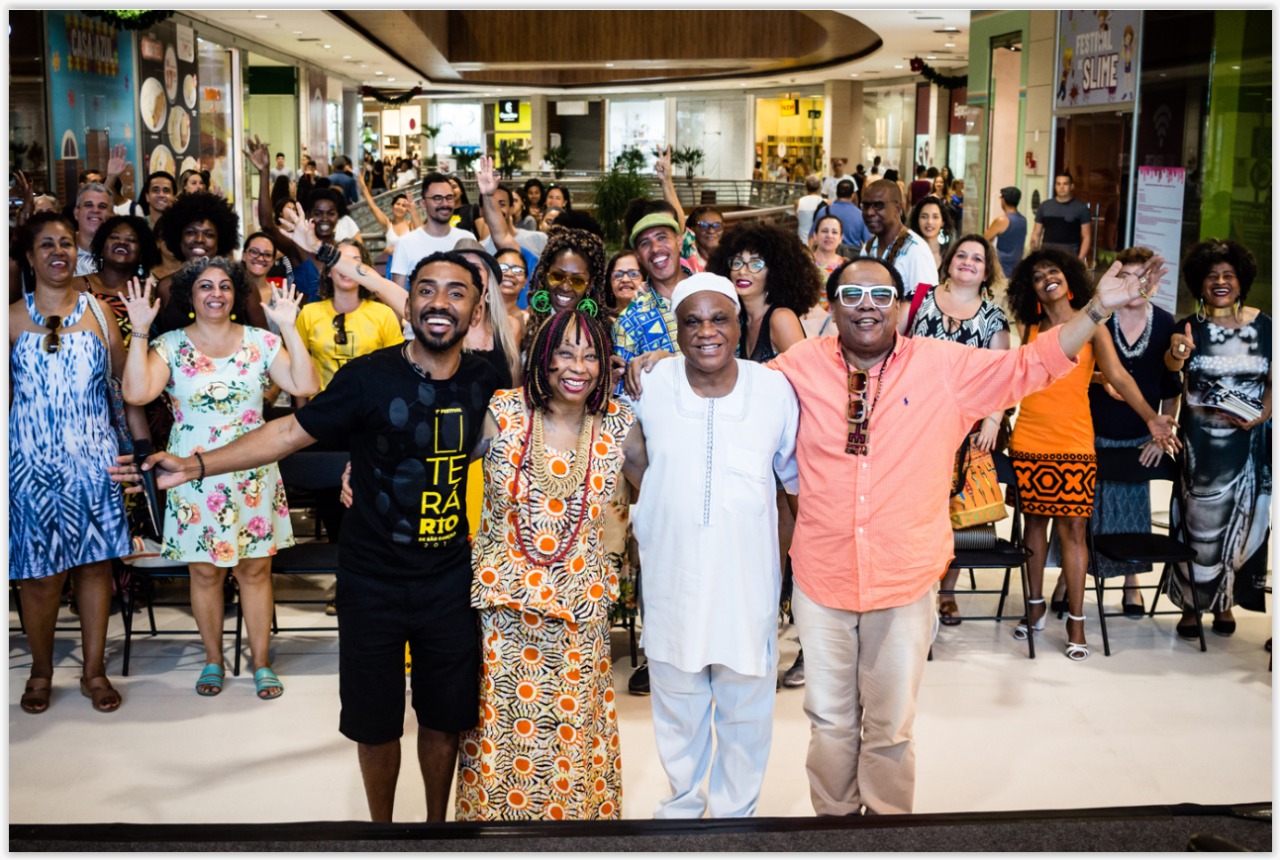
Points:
(1022, 630)
(1076, 651)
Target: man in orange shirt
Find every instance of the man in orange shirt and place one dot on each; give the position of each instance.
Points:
(881, 417)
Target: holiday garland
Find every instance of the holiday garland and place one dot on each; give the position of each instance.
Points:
(933, 76)
(130, 19)
(379, 96)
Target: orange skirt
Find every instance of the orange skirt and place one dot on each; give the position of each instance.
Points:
(1055, 485)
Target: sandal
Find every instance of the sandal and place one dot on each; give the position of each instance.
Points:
(1022, 631)
(266, 681)
(1076, 651)
(211, 676)
(948, 612)
(1188, 630)
(105, 697)
(35, 697)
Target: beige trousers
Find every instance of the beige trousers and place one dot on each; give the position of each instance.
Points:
(862, 676)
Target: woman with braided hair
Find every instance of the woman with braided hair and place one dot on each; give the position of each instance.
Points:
(547, 743)
(570, 275)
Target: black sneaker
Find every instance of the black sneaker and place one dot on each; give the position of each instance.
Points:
(794, 677)
(639, 683)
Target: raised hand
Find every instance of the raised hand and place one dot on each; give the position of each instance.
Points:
(486, 179)
(1182, 345)
(295, 224)
(258, 153)
(284, 306)
(137, 301)
(118, 160)
(662, 167)
(23, 187)
(1117, 289)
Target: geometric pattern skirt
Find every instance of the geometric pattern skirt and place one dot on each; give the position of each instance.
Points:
(547, 744)
(1056, 485)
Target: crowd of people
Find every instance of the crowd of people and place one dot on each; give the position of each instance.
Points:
(753, 417)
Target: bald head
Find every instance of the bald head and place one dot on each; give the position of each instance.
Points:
(891, 190)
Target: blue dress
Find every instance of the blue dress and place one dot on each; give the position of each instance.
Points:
(64, 510)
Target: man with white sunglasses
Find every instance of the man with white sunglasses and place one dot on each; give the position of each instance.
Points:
(881, 417)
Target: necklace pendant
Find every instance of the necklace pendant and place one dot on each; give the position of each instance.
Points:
(856, 443)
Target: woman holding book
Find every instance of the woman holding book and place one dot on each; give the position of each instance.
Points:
(1225, 350)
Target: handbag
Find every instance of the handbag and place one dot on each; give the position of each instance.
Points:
(975, 490)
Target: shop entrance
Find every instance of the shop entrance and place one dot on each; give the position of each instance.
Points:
(1094, 149)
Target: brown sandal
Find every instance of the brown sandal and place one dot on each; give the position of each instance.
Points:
(35, 697)
(947, 612)
(105, 697)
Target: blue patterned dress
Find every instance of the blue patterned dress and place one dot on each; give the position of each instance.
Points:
(64, 511)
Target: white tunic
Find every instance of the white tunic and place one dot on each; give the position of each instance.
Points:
(707, 520)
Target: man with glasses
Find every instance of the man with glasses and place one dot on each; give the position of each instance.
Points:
(436, 233)
(881, 418)
(892, 242)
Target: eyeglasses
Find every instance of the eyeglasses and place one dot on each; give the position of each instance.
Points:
(756, 265)
(633, 274)
(260, 255)
(851, 295)
(52, 342)
(710, 225)
(439, 198)
(874, 205)
(515, 270)
(555, 278)
(340, 329)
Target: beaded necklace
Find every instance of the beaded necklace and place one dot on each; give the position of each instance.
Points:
(1135, 351)
(560, 488)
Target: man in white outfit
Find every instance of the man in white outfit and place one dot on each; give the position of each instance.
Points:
(716, 430)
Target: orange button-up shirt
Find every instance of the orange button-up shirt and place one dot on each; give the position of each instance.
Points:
(873, 531)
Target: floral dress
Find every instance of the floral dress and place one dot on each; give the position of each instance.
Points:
(223, 518)
(547, 743)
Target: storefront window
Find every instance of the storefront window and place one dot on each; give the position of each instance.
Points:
(215, 89)
(789, 136)
(888, 118)
(717, 127)
(461, 125)
(640, 124)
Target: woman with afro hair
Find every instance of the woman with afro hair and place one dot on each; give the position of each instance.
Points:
(1052, 442)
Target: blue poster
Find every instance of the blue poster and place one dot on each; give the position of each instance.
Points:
(91, 95)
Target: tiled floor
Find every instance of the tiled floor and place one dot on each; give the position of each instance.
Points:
(1157, 722)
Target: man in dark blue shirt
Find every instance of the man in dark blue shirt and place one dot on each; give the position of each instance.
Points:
(855, 229)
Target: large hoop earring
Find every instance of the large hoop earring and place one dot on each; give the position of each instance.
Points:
(1200, 317)
(589, 306)
(540, 301)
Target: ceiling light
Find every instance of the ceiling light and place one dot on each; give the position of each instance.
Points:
(897, 67)
(346, 56)
(262, 17)
(328, 46)
(948, 30)
(377, 71)
(853, 74)
(948, 44)
(931, 57)
(390, 80)
(297, 32)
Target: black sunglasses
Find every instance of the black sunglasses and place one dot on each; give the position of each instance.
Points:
(340, 329)
(52, 342)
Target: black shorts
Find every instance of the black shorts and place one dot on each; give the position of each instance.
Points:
(376, 617)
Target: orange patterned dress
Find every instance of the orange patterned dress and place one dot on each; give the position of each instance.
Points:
(547, 743)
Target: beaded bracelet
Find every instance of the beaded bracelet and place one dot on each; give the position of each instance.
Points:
(200, 460)
(327, 255)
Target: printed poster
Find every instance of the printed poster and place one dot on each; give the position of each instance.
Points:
(168, 99)
(91, 87)
(1097, 58)
(1158, 224)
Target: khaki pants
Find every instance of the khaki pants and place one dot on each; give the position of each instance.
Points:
(862, 676)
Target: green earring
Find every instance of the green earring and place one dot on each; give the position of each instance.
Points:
(540, 301)
(589, 306)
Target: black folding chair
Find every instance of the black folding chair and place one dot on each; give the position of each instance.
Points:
(308, 472)
(144, 573)
(1121, 466)
(995, 553)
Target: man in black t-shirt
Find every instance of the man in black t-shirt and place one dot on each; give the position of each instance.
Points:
(1064, 222)
(411, 416)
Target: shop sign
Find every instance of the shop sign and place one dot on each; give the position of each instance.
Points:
(789, 107)
(1158, 224)
(509, 111)
(1097, 58)
(91, 95)
(168, 92)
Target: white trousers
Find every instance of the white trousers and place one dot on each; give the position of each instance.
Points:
(685, 704)
(862, 675)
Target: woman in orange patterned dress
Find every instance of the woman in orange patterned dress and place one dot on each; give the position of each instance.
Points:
(1051, 446)
(547, 743)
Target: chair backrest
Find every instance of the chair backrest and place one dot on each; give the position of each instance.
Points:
(1121, 466)
(314, 470)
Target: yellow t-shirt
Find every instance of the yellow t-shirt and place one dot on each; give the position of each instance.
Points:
(370, 327)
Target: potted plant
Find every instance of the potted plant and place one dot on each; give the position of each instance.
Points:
(465, 158)
(690, 157)
(617, 188)
(512, 154)
(558, 158)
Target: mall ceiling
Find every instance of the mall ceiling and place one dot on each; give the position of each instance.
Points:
(565, 51)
